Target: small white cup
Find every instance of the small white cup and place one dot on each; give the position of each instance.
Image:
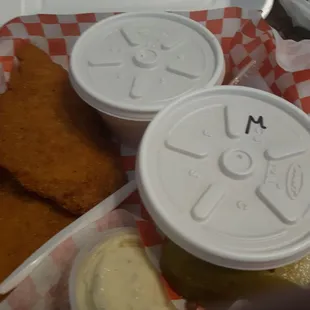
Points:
(83, 255)
(130, 66)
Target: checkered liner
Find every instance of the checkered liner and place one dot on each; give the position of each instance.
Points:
(244, 36)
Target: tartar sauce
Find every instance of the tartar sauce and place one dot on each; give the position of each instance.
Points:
(118, 276)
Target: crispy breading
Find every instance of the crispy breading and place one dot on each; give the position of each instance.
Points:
(51, 141)
(26, 223)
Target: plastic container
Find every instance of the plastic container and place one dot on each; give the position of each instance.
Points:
(225, 174)
(130, 66)
(85, 254)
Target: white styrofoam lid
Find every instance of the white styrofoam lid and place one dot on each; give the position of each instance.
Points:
(132, 65)
(225, 173)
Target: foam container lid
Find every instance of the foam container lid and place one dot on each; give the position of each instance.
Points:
(225, 173)
(132, 65)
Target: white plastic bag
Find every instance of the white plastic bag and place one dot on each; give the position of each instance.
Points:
(294, 56)
(299, 11)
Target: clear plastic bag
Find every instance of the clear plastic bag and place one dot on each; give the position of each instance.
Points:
(299, 11)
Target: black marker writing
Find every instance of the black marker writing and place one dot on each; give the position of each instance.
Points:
(259, 121)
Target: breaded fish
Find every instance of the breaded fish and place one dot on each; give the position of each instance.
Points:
(26, 223)
(51, 141)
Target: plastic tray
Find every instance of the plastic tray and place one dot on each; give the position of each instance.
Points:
(14, 8)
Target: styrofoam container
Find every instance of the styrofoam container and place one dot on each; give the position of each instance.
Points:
(84, 254)
(130, 66)
(225, 174)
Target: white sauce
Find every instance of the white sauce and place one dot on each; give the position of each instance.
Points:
(118, 276)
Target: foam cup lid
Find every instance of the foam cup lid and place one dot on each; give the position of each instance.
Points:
(225, 174)
(134, 64)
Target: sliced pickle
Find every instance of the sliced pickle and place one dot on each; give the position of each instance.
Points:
(197, 280)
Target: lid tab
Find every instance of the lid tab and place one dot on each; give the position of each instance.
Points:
(208, 201)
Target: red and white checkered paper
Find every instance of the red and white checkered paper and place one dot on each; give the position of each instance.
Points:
(244, 37)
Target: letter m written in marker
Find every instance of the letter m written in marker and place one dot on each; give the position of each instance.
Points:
(259, 121)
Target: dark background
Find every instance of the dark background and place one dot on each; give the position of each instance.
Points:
(279, 20)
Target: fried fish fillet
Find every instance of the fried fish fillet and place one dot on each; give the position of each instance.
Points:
(26, 223)
(51, 141)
